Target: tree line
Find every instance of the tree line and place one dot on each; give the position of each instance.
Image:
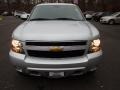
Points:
(85, 5)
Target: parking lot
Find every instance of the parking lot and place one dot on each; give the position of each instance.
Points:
(107, 77)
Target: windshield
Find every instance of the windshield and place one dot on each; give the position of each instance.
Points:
(56, 12)
(114, 14)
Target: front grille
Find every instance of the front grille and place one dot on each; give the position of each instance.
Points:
(49, 54)
(56, 43)
(43, 49)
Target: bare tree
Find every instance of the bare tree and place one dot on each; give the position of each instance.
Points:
(103, 5)
(28, 5)
(9, 7)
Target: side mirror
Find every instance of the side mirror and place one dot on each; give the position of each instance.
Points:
(25, 16)
(88, 17)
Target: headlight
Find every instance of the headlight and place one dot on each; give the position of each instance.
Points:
(17, 46)
(95, 46)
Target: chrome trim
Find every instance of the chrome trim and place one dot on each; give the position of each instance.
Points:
(66, 48)
(24, 48)
(47, 48)
(55, 69)
(56, 41)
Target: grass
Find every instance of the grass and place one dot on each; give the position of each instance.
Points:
(1, 18)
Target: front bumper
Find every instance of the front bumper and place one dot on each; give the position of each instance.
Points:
(42, 66)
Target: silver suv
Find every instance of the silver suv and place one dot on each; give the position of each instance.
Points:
(55, 41)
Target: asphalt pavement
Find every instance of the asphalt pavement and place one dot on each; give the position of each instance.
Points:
(107, 77)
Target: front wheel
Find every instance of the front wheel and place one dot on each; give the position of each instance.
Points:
(22, 73)
(111, 22)
(93, 69)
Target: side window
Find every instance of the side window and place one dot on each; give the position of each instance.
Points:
(118, 15)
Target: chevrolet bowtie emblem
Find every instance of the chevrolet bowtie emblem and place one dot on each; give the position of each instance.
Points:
(56, 49)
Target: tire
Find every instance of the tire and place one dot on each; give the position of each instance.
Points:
(101, 23)
(96, 20)
(22, 73)
(92, 70)
(111, 22)
(18, 16)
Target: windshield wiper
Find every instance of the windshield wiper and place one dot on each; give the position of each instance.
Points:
(66, 19)
(34, 19)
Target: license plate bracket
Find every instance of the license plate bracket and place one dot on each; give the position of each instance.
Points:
(56, 74)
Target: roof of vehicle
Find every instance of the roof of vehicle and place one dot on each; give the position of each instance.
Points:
(55, 4)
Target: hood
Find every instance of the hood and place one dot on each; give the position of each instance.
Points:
(54, 31)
